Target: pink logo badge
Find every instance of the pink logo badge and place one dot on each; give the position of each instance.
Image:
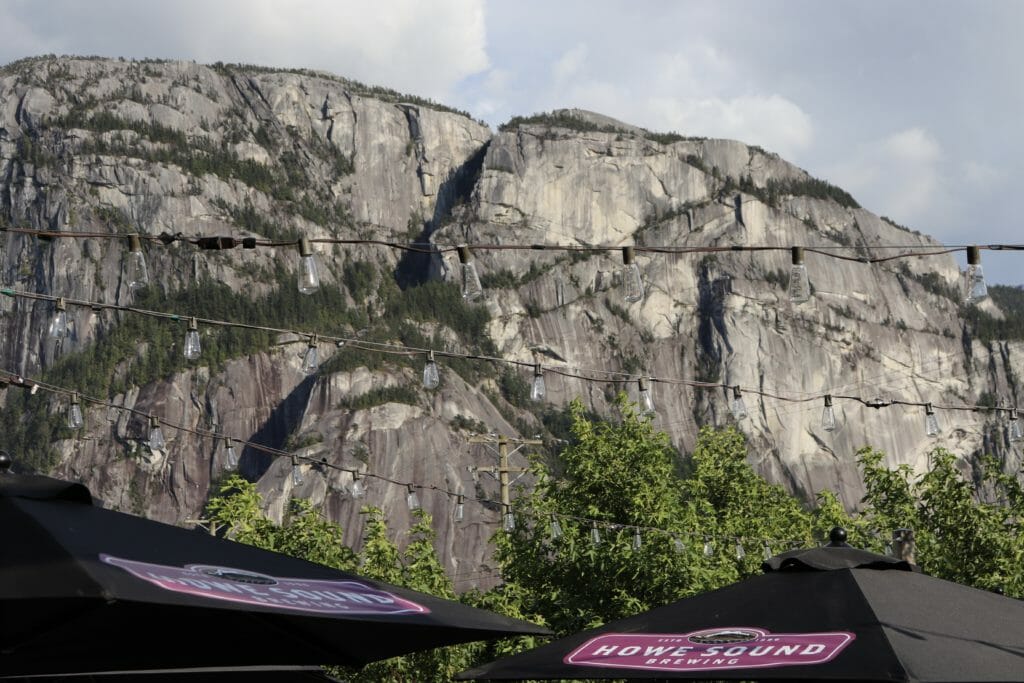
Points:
(240, 585)
(709, 649)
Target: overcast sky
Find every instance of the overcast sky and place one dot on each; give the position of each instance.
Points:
(916, 108)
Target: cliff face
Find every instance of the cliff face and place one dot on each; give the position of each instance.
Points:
(153, 147)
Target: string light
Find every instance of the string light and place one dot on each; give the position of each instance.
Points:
(709, 548)
(537, 389)
(358, 489)
(556, 528)
(508, 520)
(799, 285)
(931, 423)
(740, 552)
(135, 267)
(59, 323)
(431, 377)
(828, 415)
(974, 279)
(412, 500)
(193, 346)
(595, 535)
(460, 509)
(644, 398)
(471, 287)
(1016, 429)
(311, 359)
(632, 282)
(737, 406)
(637, 539)
(309, 277)
(156, 435)
(230, 455)
(75, 418)
(767, 551)
(678, 544)
(297, 478)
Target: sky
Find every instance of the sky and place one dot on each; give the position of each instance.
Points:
(914, 107)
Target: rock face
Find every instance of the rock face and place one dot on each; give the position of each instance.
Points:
(115, 147)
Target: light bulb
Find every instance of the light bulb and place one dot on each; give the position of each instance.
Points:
(595, 535)
(828, 416)
(309, 278)
(678, 545)
(59, 323)
(431, 377)
(156, 435)
(646, 399)
(738, 407)
(888, 549)
(931, 423)
(411, 499)
(471, 287)
(508, 520)
(311, 359)
(799, 285)
(709, 549)
(230, 455)
(297, 478)
(136, 272)
(767, 551)
(638, 541)
(974, 279)
(537, 389)
(75, 418)
(192, 344)
(1016, 429)
(358, 489)
(740, 552)
(460, 509)
(556, 528)
(632, 283)
(559, 290)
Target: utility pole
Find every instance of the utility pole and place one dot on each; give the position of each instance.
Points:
(502, 471)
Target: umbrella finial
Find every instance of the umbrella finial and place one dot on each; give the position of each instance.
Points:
(5, 462)
(837, 538)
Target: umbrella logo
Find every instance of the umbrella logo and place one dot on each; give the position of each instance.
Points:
(321, 596)
(715, 649)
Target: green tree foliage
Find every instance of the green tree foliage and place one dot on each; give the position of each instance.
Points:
(237, 512)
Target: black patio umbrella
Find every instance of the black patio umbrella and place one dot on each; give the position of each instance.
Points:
(84, 589)
(828, 614)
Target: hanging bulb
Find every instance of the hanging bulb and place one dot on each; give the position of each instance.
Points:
(230, 455)
(646, 399)
(559, 290)
(678, 544)
(358, 486)
(460, 509)
(309, 278)
(75, 417)
(192, 344)
(59, 323)
(431, 377)
(595, 535)
(136, 271)
(638, 542)
(508, 520)
(311, 360)
(709, 549)
(537, 389)
(799, 285)
(828, 416)
(767, 551)
(556, 528)
(297, 478)
(974, 279)
(888, 549)
(411, 499)
(632, 283)
(931, 423)
(471, 287)
(1016, 429)
(740, 552)
(738, 407)
(156, 435)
